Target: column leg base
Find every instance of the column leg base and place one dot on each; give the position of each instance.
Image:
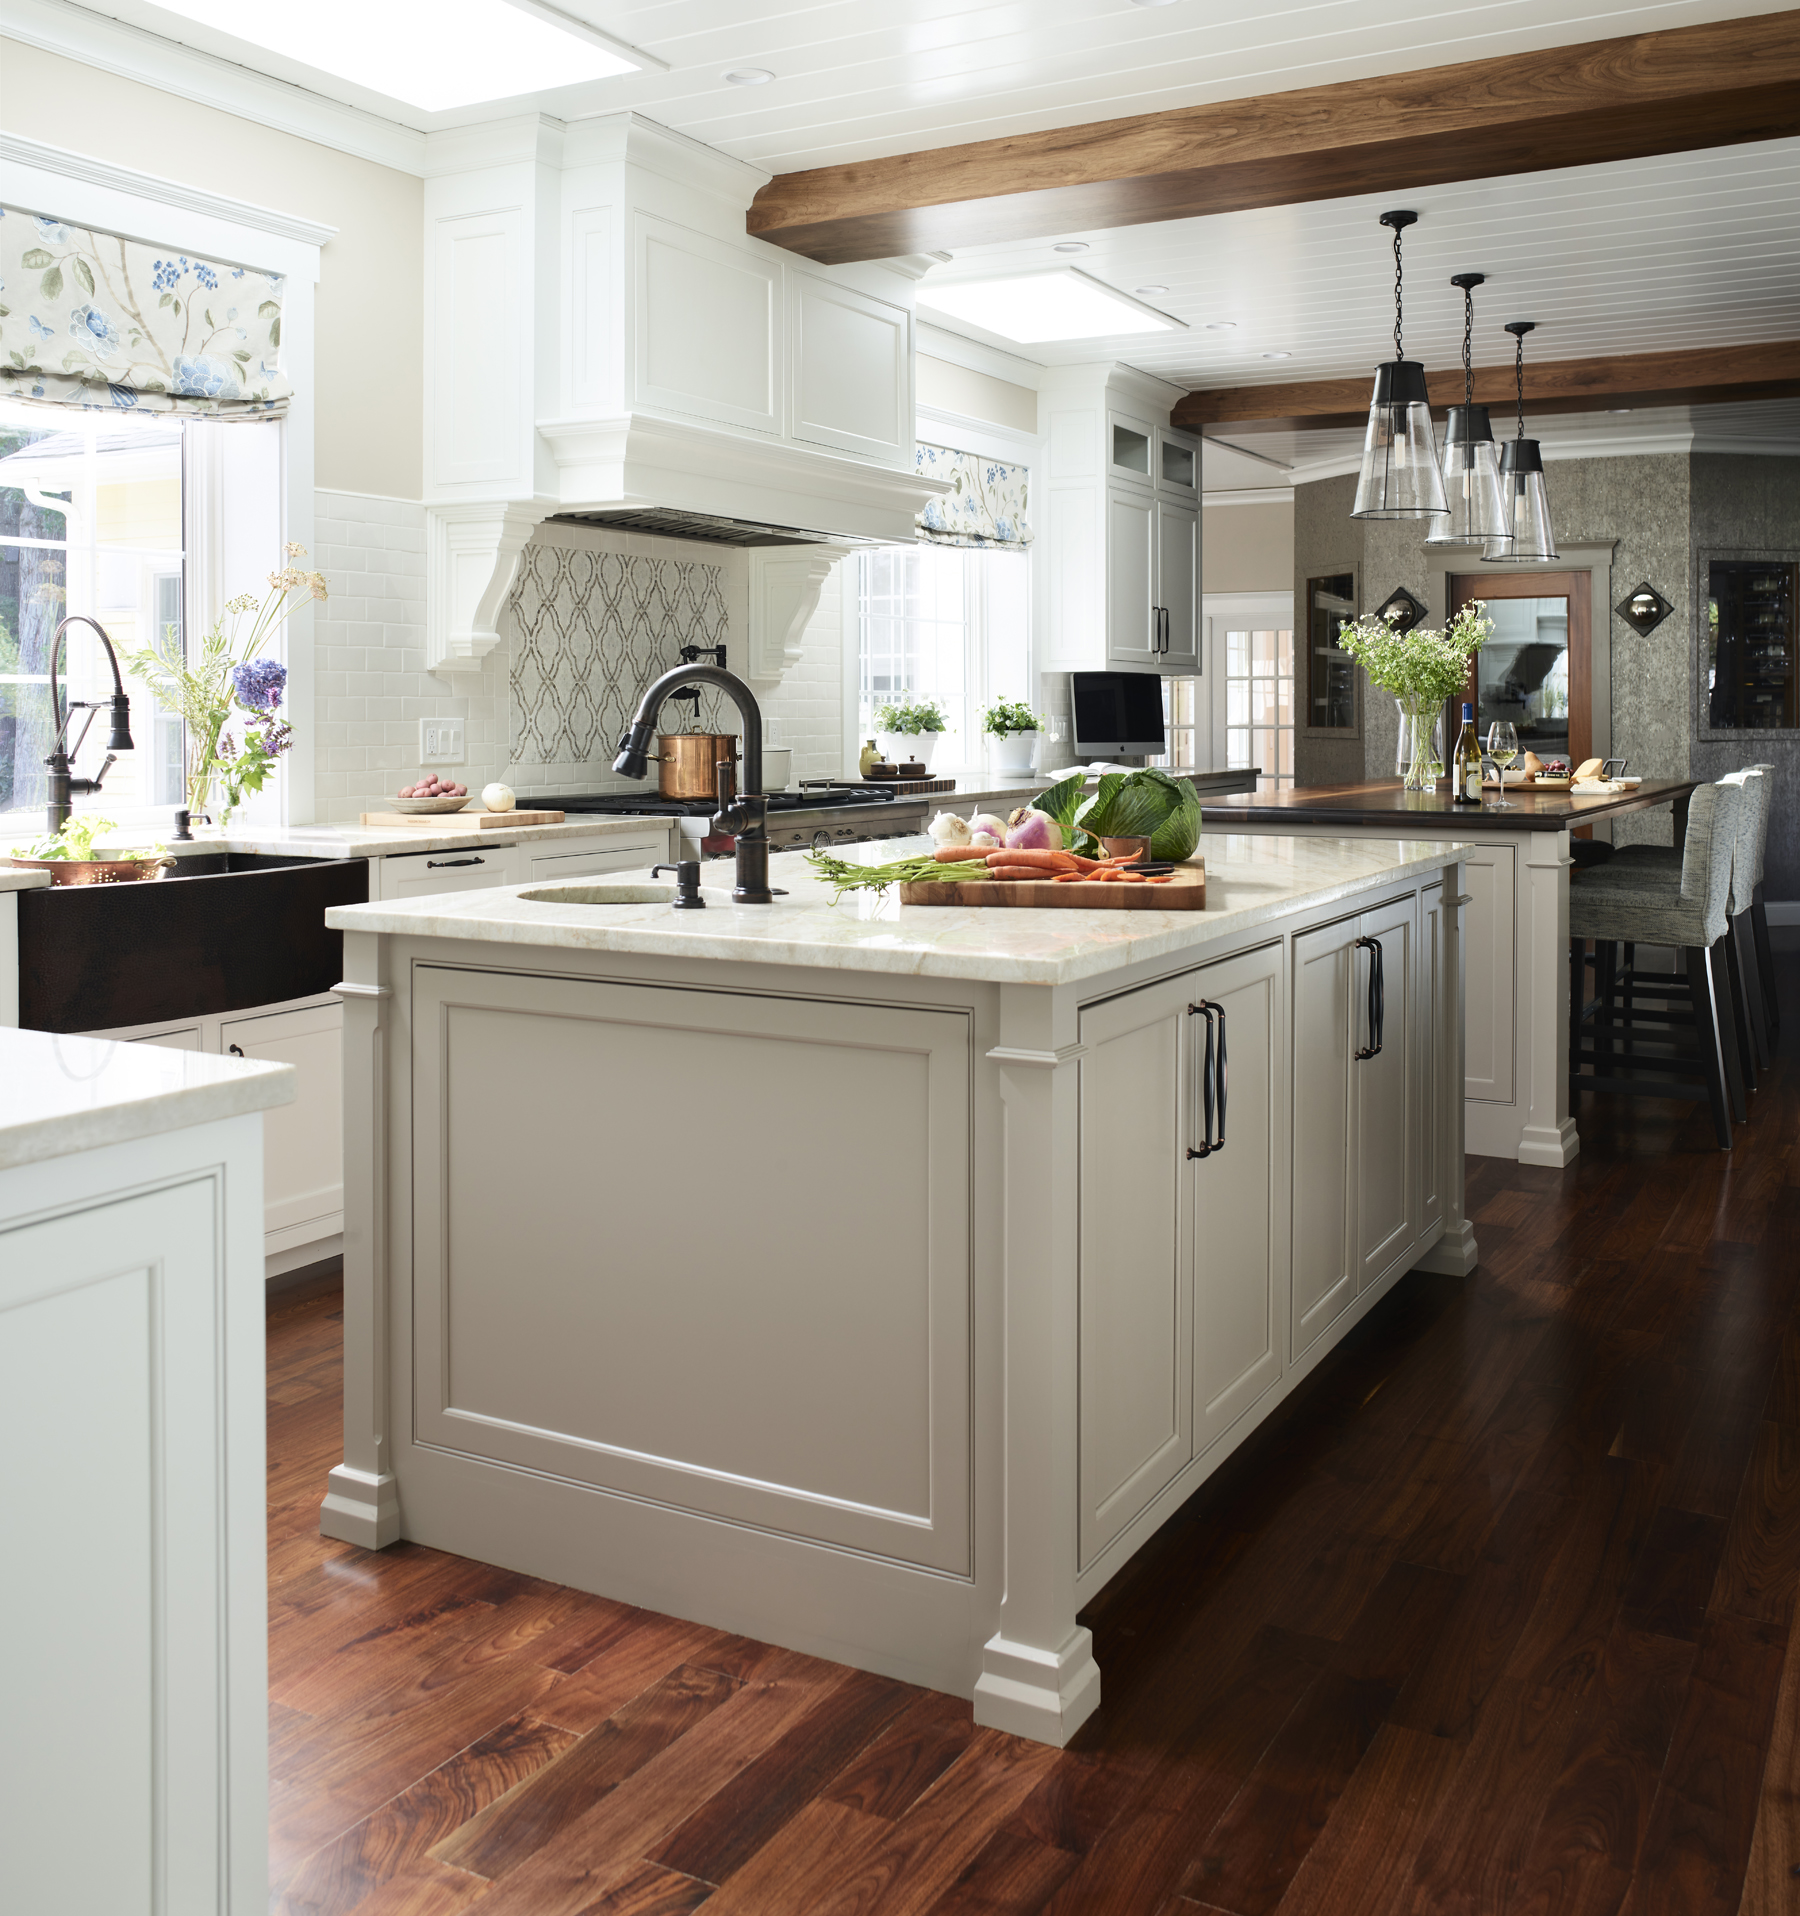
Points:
(1045, 1695)
(1454, 1254)
(1538, 1144)
(360, 1509)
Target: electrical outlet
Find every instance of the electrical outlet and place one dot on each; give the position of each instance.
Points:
(441, 742)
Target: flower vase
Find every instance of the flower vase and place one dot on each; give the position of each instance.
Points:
(1419, 721)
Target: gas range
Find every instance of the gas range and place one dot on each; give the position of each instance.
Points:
(819, 813)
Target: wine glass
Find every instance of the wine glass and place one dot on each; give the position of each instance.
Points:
(1503, 748)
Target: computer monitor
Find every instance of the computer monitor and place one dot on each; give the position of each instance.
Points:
(1116, 712)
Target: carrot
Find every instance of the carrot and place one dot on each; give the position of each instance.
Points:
(1040, 861)
(952, 854)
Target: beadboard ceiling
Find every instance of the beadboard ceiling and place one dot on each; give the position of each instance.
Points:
(856, 79)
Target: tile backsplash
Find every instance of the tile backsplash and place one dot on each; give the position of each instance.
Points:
(592, 618)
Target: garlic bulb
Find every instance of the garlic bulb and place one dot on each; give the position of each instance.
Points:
(948, 828)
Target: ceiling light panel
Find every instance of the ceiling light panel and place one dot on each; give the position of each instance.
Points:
(1033, 308)
(433, 54)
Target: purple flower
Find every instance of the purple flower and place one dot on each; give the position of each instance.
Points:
(259, 684)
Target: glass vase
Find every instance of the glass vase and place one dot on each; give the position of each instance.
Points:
(1419, 723)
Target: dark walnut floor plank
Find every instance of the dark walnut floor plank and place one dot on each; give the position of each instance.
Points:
(651, 1891)
(907, 1758)
(1674, 1575)
(532, 1812)
(1586, 1849)
(1012, 1874)
(1774, 1862)
(1695, 1855)
(1760, 1565)
(395, 1838)
(427, 1889)
(653, 1647)
(727, 1830)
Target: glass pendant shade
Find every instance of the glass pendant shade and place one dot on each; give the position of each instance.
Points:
(1526, 506)
(1400, 477)
(1471, 483)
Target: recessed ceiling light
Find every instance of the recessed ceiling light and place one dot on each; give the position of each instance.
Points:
(1150, 292)
(1616, 410)
(749, 76)
(1278, 355)
(1221, 326)
(1152, 3)
(1032, 308)
(1070, 246)
(474, 50)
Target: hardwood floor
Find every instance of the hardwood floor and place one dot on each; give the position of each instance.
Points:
(1495, 1615)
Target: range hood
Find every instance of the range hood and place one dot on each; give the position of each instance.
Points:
(608, 347)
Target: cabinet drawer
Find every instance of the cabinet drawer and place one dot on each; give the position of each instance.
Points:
(609, 855)
(418, 874)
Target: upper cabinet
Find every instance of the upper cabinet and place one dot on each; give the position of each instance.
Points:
(852, 376)
(707, 322)
(1122, 502)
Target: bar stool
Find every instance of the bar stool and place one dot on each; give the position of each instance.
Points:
(1745, 964)
(1689, 912)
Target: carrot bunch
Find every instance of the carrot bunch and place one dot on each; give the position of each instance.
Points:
(1062, 868)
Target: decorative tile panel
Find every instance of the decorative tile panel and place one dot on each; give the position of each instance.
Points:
(590, 629)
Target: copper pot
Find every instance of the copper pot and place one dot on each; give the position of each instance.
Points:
(687, 764)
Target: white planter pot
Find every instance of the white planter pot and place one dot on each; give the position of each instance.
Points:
(899, 747)
(1013, 754)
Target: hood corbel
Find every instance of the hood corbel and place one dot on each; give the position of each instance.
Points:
(471, 558)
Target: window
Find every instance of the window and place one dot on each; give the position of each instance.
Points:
(90, 522)
(1184, 720)
(1259, 703)
(947, 624)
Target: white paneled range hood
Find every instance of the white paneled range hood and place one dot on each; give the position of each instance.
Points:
(606, 345)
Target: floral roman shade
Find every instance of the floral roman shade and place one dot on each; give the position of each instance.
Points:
(95, 319)
(985, 506)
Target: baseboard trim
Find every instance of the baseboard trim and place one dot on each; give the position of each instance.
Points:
(1783, 911)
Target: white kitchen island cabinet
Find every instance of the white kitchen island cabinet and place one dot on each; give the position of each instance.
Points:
(1022, 1276)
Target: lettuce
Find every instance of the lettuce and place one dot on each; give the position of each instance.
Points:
(1146, 804)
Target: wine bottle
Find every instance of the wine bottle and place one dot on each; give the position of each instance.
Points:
(1465, 765)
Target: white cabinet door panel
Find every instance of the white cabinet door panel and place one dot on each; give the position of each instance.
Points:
(707, 321)
(1324, 1275)
(1136, 1392)
(1177, 583)
(1490, 1017)
(824, 1402)
(1386, 1095)
(303, 1142)
(1432, 994)
(1130, 576)
(1239, 1205)
(852, 370)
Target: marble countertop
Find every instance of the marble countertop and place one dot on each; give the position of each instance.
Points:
(67, 1094)
(1250, 881)
(448, 834)
(12, 879)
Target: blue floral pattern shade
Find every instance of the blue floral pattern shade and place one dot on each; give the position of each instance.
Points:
(985, 506)
(94, 319)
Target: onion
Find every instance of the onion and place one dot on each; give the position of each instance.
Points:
(950, 828)
(985, 839)
(988, 822)
(1034, 832)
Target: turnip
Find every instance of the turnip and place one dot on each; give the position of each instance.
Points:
(1032, 831)
(984, 839)
(990, 823)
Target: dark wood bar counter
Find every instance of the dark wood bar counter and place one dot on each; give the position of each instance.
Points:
(1385, 802)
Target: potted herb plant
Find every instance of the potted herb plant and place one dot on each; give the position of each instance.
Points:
(1422, 668)
(909, 729)
(228, 695)
(1013, 726)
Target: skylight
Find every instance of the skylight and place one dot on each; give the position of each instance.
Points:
(1035, 308)
(433, 54)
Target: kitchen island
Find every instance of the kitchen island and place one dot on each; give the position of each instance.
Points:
(870, 1278)
(1516, 941)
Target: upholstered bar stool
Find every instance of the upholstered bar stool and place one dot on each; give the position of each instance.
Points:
(1635, 1054)
(1744, 962)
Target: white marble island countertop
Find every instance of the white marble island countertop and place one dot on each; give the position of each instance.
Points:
(449, 832)
(65, 1094)
(1250, 881)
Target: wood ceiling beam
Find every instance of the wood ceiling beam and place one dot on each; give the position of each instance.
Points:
(1718, 84)
(1708, 376)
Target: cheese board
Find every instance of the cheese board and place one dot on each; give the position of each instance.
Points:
(462, 821)
(1185, 891)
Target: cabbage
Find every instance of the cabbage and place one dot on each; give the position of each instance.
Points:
(1146, 804)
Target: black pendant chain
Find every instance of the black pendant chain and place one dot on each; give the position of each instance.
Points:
(1468, 282)
(1399, 350)
(1520, 337)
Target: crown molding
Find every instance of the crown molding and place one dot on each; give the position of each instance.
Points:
(76, 33)
(1250, 496)
(975, 355)
(17, 151)
(985, 438)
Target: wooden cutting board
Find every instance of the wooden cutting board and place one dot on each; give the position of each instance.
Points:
(1185, 891)
(463, 821)
(911, 787)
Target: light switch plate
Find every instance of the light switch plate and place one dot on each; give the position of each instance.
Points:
(441, 742)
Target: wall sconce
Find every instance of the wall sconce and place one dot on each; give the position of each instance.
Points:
(1644, 610)
(1406, 611)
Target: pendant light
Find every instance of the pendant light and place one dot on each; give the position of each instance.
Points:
(1400, 477)
(1471, 459)
(1526, 505)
